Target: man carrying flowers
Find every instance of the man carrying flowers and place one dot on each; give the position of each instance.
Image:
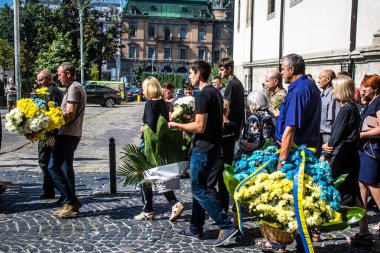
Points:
(300, 113)
(208, 135)
(61, 162)
(45, 79)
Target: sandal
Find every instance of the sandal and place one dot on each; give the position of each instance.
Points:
(366, 239)
(176, 211)
(266, 247)
(143, 216)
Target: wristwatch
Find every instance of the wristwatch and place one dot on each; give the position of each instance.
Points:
(282, 162)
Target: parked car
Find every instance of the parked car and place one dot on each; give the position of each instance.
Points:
(103, 95)
(132, 93)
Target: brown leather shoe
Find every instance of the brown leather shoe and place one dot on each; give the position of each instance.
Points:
(68, 211)
(176, 211)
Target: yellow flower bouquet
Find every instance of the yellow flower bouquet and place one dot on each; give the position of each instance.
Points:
(34, 118)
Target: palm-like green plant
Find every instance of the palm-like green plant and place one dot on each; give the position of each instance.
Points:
(165, 147)
(133, 164)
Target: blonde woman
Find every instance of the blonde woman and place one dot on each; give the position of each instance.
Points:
(154, 107)
(343, 144)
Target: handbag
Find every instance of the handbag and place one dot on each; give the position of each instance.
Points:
(369, 123)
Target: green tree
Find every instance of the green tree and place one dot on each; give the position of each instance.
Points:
(6, 23)
(59, 51)
(136, 72)
(94, 72)
(6, 55)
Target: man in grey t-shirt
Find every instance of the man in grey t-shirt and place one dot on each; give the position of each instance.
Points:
(61, 162)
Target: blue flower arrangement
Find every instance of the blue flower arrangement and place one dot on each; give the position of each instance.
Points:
(40, 102)
(318, 170)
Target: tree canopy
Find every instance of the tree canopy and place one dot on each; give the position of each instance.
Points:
(50, 36)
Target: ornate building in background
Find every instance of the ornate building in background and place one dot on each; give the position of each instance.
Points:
(166, 35)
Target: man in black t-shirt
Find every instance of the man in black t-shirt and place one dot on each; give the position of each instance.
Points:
(207, 143)
(234, 92)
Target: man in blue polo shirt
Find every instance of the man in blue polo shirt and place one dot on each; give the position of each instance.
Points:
(300, 114)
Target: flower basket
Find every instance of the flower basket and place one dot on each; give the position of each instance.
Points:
(276, 235)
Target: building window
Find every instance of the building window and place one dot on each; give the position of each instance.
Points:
(167, 32)
(202, 13)
(182, 53)
(271, 9)
(218, 33)
(167, 53)
(151, 52)
(132, 28)
(201, 53)
(201, 33)
(294, 2)
(216, 55)
(152, 32)
(132, 52)
(183, 32)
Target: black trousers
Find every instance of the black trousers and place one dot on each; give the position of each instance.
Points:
(147, 197)
(44, 153)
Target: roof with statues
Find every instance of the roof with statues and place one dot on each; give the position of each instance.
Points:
(198, 9)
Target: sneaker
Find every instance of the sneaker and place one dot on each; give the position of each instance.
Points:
(176, 211)
(188, 233)
(143, 216)
(224, 236)
(361, 239)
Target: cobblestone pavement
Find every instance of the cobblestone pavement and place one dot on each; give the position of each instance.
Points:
(105, 223)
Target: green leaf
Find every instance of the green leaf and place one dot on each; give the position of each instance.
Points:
(133, 164)
(150, 145)
(229, 168)
(352, 214)
(339, 181)
(230, 181)
(333, 226)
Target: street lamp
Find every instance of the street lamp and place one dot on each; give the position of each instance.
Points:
(80, 9)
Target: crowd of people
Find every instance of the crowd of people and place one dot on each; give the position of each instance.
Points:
(332, 118)
(341, 122)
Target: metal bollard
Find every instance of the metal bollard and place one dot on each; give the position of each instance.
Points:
(112, 157)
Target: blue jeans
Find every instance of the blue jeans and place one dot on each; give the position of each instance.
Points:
(201, 164)
(61, 166)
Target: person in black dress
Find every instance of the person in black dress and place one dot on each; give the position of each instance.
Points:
(343, 144)
(154, 107)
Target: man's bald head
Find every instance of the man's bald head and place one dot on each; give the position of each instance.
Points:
(44, 77)
(273, 80)
(325, 78)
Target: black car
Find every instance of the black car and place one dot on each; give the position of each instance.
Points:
(132, 93)
(103, 95)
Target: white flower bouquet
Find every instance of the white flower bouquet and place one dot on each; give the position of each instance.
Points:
(34, 118)
(184, 110)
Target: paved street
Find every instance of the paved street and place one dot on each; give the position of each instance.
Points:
(105, 223)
